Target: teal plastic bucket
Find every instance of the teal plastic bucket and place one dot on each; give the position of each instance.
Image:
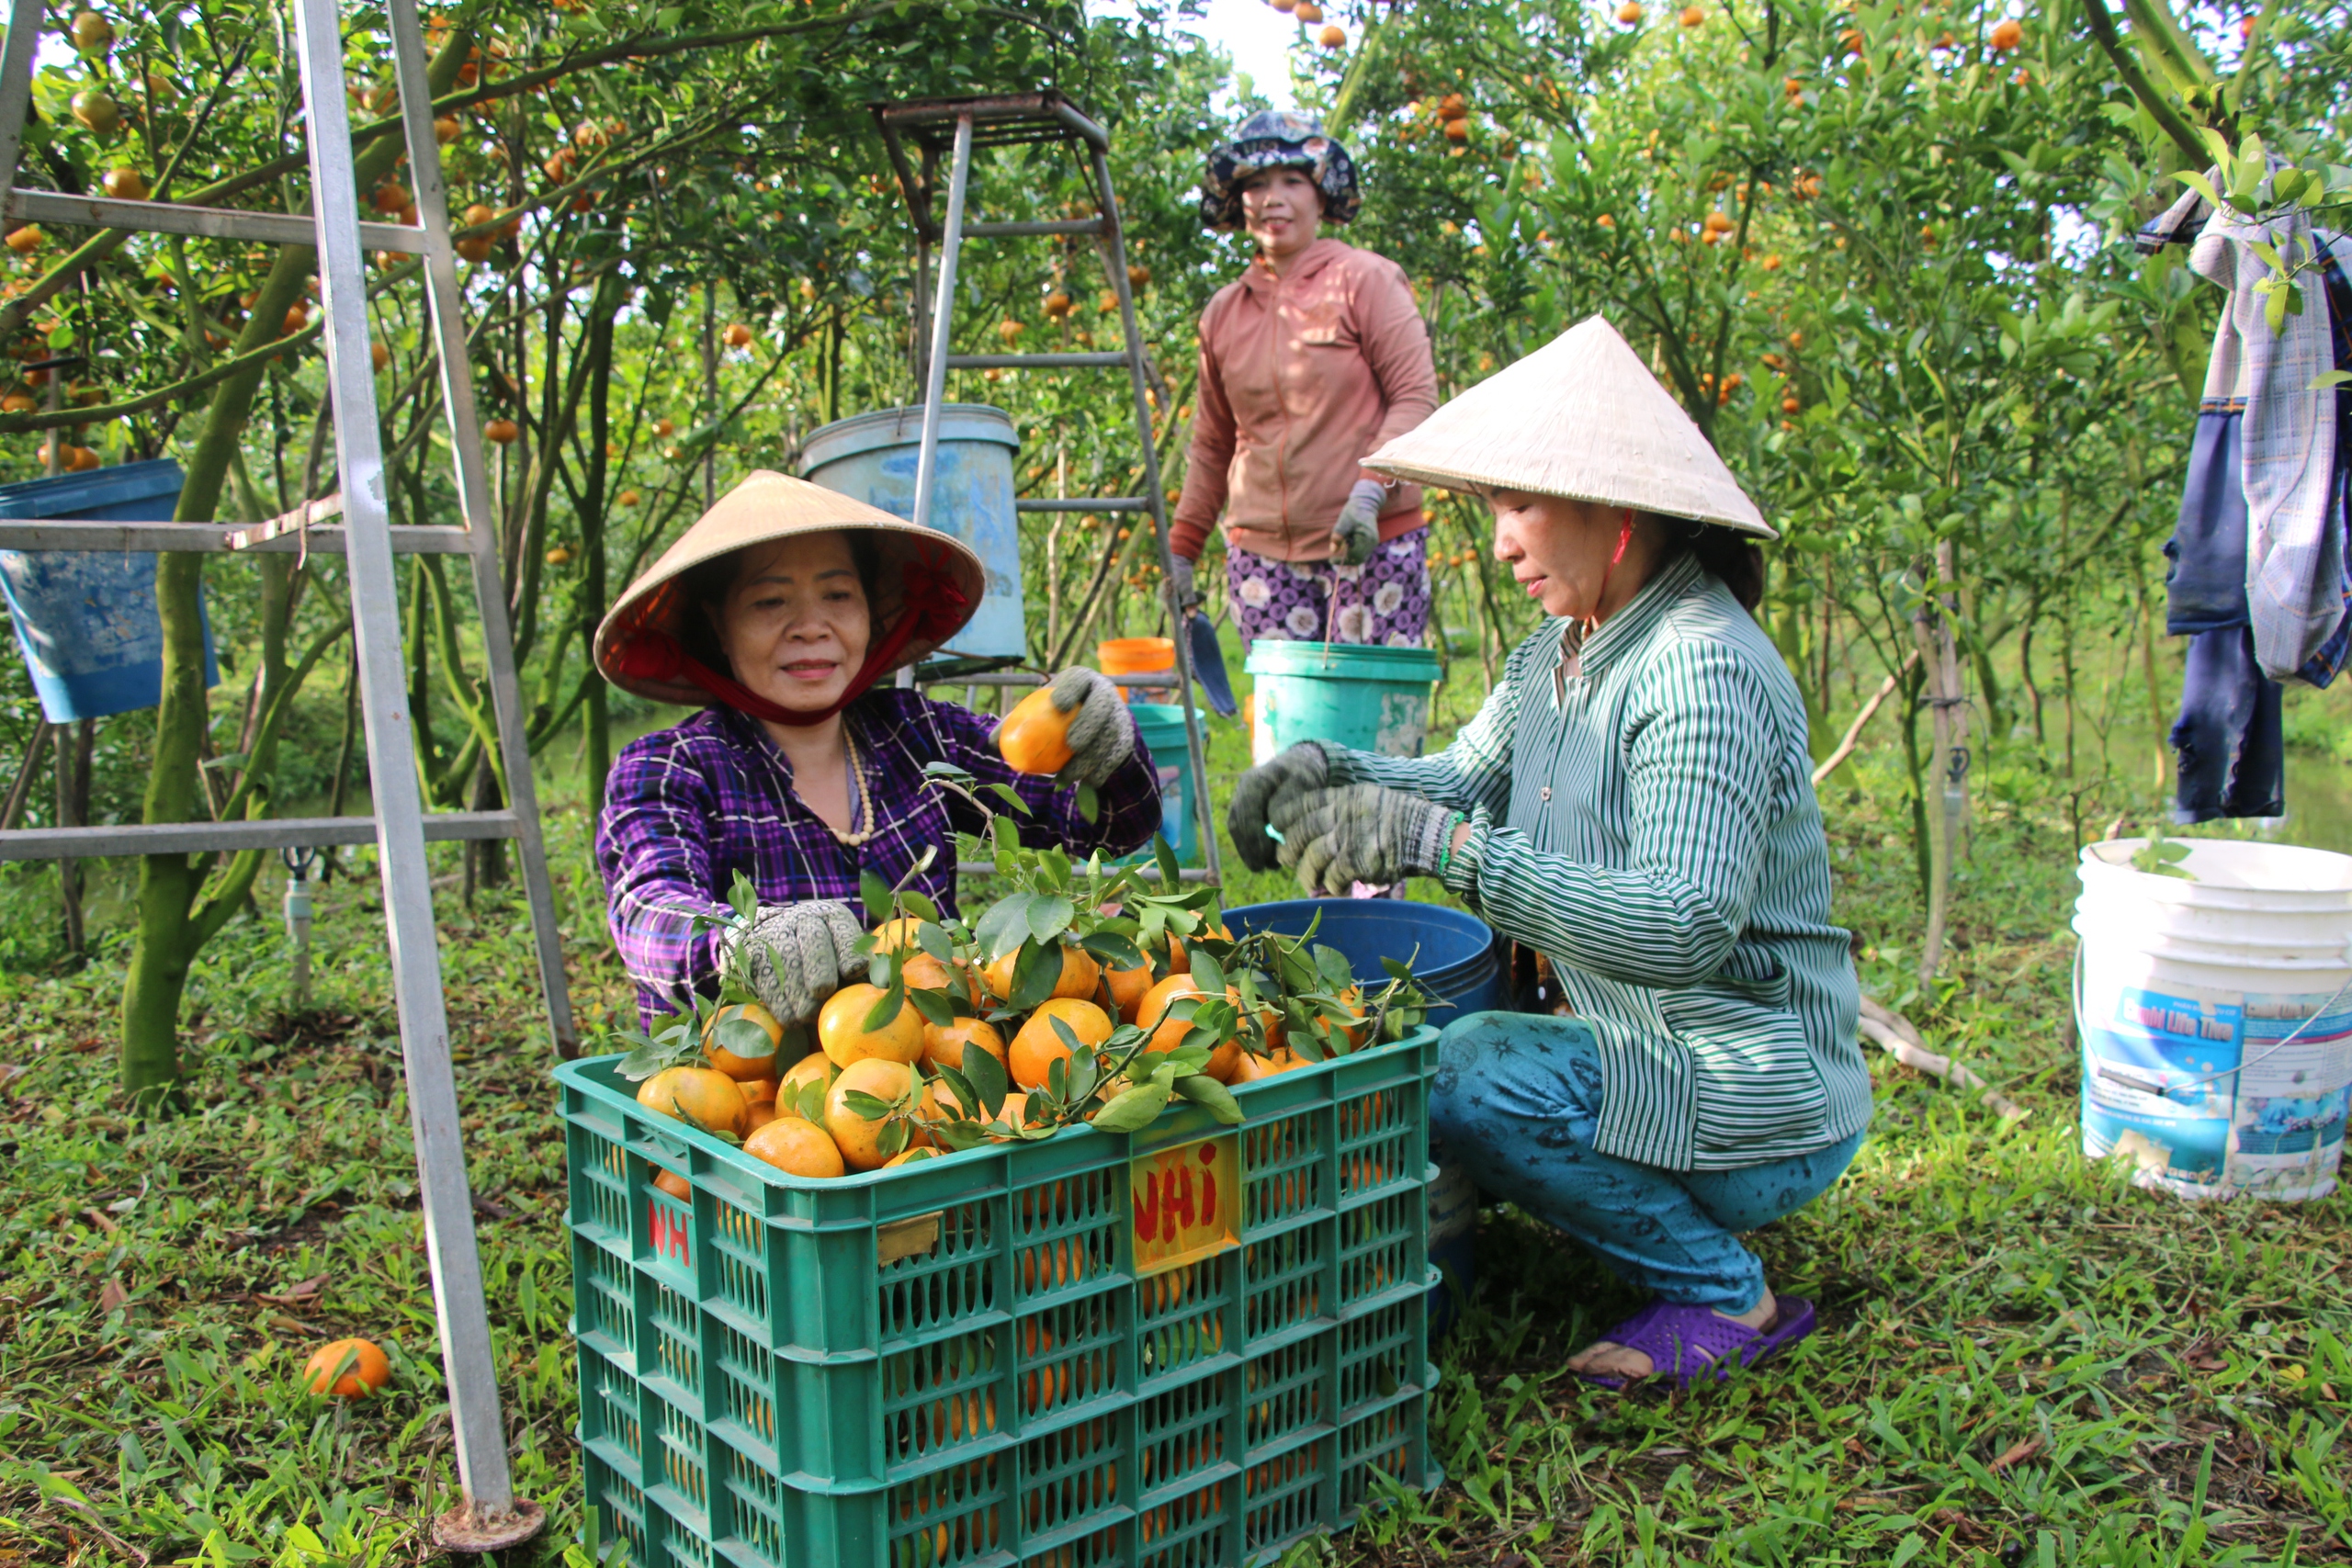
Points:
(85, 620)
(1368, 699)
(872, 457)
(1162, 727)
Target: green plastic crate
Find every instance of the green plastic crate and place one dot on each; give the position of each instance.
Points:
(846, 1336)
(1229, 1468)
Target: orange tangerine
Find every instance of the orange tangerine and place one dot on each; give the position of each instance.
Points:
(815, 1068)
(944, 1044)
(669, 1181)
(727, 1061)
(892, 935)
(1128, 989)
(1151, 1014)
(796, 1147)
(706, 1094)
(1038, 1045)
(1034, 736)
(367, 1370)
(921, 972)
(908, 1157)
(1079, 977)
(840, 1028)
(859, 1139)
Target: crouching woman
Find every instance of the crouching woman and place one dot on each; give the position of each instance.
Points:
(1633, 801)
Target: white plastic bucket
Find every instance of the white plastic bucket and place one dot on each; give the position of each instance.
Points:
(2216, 1015)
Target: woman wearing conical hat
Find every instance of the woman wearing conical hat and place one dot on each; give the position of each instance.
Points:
(1635, 802)
(779, 612)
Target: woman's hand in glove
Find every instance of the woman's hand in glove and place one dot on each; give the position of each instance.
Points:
(1298, 769)
(1187, 596)
(795, 955)
(1356, 532)
(1101, 733)
(1359, 833)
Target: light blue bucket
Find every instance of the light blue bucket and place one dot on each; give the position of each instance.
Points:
(1162, 727)
(1365, 698)
(872, 457)
(85, 619)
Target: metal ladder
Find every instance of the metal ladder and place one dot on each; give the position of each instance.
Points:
(490, 1516)
(951, 127)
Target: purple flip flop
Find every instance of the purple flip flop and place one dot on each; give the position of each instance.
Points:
(1663, 1330)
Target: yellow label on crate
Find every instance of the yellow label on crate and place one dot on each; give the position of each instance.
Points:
(1187, 1202)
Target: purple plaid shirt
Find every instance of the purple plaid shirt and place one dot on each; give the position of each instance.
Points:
(687, 808)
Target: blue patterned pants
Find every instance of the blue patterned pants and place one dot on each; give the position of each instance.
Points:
(1517, 1101)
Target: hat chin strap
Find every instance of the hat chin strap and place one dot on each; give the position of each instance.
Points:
(934, 607)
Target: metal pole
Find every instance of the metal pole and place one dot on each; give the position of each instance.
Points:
(489, 1515)
(447, 310)
(943, 323)
(16, 85)
(1115, 247)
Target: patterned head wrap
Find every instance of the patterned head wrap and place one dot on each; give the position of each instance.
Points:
(1278, 139)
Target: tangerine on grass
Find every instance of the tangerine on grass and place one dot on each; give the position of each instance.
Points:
(796, 1147)
(945, 1044)
(706, 1094)
(1034, 736)
(1079, 977)
(841, 1032)
(367, 1370)
(1039, 1045)
(859, 1140)
(742, 1068)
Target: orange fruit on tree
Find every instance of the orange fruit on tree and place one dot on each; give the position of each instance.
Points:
(1034, 736)
(797, 1148)
(706, 1094)
(125, 185)
(742, 1068)
(1692, 17)
(1457, 130)
(1038, 1045)
(2007, 34)
(1333, 36)
(944, 1044)
(1079, 977)
(367, 1370)
(501, 431)
(859, 1139)
(843, 1034)
(1630, 12)
(738, 335)
(378, 356)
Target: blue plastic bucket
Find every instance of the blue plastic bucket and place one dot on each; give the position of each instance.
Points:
(1365, 698)
(1162, 728)
(85, 619)
(1454, 956)
(872, 457)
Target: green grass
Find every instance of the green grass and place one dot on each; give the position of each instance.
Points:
(2022, 1360)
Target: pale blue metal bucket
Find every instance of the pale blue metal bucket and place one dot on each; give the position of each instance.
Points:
(872, 457)
(85, 619)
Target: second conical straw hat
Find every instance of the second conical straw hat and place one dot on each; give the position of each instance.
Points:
(1581, 417)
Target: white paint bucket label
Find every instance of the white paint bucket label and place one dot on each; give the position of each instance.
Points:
(2208, 1095)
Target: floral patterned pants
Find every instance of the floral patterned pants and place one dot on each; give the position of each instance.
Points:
(1385, 601)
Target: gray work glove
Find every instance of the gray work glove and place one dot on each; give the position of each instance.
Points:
(1298, 769)
(1364, 833)
(1103, 736)
(795, 955)
(1180, 577)
(1356, 534)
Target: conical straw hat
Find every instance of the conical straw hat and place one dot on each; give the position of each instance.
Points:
(935, 572)
(1581, 417)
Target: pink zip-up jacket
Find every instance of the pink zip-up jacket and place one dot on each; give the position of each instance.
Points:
(1303, 377)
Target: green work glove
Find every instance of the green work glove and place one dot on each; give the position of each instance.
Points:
(1301, 767)
(1366, 832)
(1356, 533)
(795, 955)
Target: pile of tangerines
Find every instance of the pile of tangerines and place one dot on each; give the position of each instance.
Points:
(1079, 997)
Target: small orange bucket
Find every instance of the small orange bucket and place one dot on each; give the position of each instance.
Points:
(1137, 655)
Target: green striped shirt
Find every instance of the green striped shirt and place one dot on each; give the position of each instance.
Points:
(1644, 816)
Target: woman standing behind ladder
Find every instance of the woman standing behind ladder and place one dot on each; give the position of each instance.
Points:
(1313, 360)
